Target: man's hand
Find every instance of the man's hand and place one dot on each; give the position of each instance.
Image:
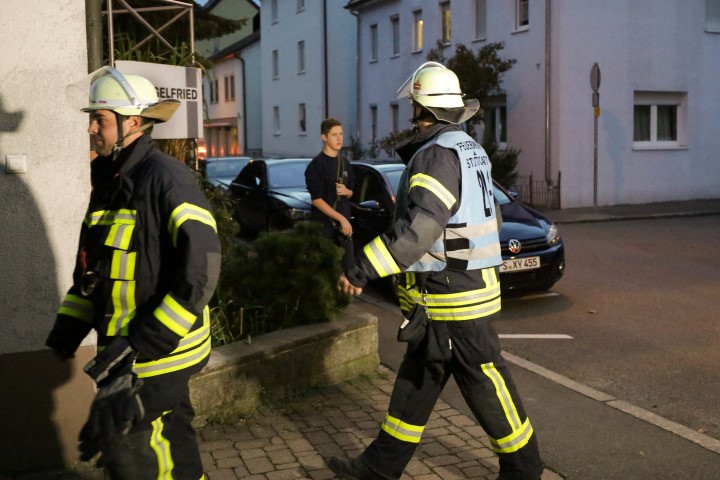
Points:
(342, 191)
(345, 286)
(346, 227)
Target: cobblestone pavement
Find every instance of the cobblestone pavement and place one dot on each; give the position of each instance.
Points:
(293, 440)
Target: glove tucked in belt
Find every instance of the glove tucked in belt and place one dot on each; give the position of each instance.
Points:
(117, 404)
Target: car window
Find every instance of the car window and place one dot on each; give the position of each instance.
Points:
(253, 175)
(287, 175)
(225, 167)
(500, 197)
(394, 179)
(368, 186)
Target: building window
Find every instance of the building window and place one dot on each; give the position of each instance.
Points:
(302, 119)
(658, 119)
(274, 11)
(275, 64)
(522, 17)
(276, 120)
(395, 27)
(229, 84)
(480, 19)
(373, 123)
(214, 91)
(373, 43)
(300, 5)
(446, 19)
(395, 117)
(301, 57)
(417, 31)
(712, 15)
(495, 121)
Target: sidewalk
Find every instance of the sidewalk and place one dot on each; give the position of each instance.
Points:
(633, 212)
(294, 440)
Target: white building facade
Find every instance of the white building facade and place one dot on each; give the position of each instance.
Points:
(659, 60)
(308, 73)
(232, 83)
(232, 93)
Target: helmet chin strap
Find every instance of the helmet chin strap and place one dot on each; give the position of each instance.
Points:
(117, 148)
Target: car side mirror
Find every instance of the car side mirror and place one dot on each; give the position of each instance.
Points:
(370, 204)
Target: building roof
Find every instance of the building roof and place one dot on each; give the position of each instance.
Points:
(236, 47)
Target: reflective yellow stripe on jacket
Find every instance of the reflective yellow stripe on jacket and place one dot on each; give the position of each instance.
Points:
(380, 258)
(437, 188)
(174, 316)
(457, 306)
(77, 307)
(122, 216)
(192, 349)
(187, 211)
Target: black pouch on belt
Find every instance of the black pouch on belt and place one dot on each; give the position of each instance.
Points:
(414, 327)
(439, 346)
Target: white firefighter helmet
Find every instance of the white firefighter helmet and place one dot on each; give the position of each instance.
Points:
(437, 88)
(127, 94)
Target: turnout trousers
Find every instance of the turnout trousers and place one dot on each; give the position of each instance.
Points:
(486, 385)
(163, 445)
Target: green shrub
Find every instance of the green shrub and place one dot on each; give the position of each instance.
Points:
(283, 279)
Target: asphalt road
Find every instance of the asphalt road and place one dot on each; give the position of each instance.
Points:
(639, 301)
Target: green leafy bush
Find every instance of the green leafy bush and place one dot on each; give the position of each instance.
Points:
(281, 280)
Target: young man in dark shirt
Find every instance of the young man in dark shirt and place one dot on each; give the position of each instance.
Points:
(329, 180)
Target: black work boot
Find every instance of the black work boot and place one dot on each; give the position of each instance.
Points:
(352, 469)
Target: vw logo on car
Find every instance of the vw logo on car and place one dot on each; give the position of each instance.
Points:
(514, 246)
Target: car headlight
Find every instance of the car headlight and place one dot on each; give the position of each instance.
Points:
(553, 235)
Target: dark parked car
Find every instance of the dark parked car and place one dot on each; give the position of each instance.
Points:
(532, 250)
(220, 171)
(270, 194)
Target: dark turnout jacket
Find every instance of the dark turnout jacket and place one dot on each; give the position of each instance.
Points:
(148, 262)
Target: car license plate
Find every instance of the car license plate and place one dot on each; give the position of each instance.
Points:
(519, 264)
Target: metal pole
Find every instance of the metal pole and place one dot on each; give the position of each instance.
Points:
(111, 34)
(595, 86)
(93, 31)
(595, 159)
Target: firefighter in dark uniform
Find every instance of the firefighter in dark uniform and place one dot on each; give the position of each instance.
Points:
(147, 265)
(444, 244)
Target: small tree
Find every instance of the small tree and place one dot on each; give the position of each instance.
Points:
(480, 74)
(504, 163)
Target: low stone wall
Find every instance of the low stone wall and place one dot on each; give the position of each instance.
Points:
(241, 376)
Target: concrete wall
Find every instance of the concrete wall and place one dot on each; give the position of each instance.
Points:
(240, 377)
(43, 402)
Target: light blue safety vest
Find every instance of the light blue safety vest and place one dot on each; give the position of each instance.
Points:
(470, 240)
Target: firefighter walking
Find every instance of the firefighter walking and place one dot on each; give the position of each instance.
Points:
(147, 264)
(445, 247)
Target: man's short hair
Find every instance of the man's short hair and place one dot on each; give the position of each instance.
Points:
(328, 124)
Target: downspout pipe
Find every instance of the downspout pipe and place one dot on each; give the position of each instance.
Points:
(325, 58)
(548, 90)
(357, 74)
(244, 103)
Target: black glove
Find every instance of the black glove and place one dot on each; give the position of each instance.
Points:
(117, 404)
